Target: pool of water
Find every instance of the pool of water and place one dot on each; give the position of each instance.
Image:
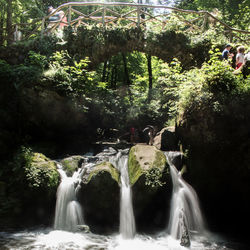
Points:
(56, 239)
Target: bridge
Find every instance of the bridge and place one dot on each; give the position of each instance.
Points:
(104, 14)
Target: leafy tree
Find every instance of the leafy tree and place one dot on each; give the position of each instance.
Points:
(233, 11)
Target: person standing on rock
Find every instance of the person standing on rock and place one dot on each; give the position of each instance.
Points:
(151, 133)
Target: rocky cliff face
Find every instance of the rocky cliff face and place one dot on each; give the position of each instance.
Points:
(218, 162)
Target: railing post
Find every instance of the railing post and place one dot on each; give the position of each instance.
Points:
(138, 17)
(103, 16)
(230, 36)
(205, 22)
(69, 19)
(43, 26)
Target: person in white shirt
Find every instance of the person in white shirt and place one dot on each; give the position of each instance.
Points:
(240, 56)
(17, 34)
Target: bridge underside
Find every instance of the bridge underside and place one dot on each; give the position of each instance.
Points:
(101, 44)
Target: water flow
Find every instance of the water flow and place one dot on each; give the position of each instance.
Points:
(127, 220)
(68, 211)
(185, 211)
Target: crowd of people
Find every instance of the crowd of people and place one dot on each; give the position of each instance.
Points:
(241, 58)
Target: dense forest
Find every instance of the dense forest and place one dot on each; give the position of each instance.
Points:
(59, 95)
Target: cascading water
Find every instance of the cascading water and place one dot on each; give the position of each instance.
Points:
(68, 211)
(184, 210)
(127, 220)
(185, 214)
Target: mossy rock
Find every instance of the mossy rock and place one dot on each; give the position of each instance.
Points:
(41, 172)
(38, 157)
(144, 159)
(105, 167)
(71, 164)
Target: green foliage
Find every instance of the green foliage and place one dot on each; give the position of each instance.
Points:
(233, 12)
(219, 75)
(5, 71)
(69, 76)
(34, 169)
(24, 75)
(36, 59)
(41, 173)
(212, 93)
(153, 178)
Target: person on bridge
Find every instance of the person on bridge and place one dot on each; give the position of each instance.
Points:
(226, 52)
(240, 56)
(58, 16)
(17, 34)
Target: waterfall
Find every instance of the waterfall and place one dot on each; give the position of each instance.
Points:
(68, 211)
(185, 214)
(127, 220)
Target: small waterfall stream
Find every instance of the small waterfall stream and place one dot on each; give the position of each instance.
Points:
(127, 220)
(68, 211)
(185, 213)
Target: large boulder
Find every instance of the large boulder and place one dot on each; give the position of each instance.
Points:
(100, 198)
(151, 190)
(166, 140)
(42, 181)
(104, 167)
(41, 172)
(145, 159)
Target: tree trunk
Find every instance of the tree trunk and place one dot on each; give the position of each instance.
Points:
(109, 68)
(116, 76)
(127, 80)
(104, 71)
(150, 77)
(1, 29)
(9, 22)
(112, 77)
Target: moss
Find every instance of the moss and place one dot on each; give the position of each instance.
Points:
(160, 160)
(134, 169)
(38, 157)
(142, 159)
(71, 164)
(105, 167)
(41, 172)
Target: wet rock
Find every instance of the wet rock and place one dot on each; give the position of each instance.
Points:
(185, 238)
(72, 163)
(166, 140)
(100, 197)
(83, 228)
(100, 169)
(144, 159)
(42, 172)
(151, 192)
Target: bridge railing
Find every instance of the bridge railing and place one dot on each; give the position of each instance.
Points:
(106, 13)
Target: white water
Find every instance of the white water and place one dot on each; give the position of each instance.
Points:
(63, 240)
(68, 211)
(185, 207)
(127, 220)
